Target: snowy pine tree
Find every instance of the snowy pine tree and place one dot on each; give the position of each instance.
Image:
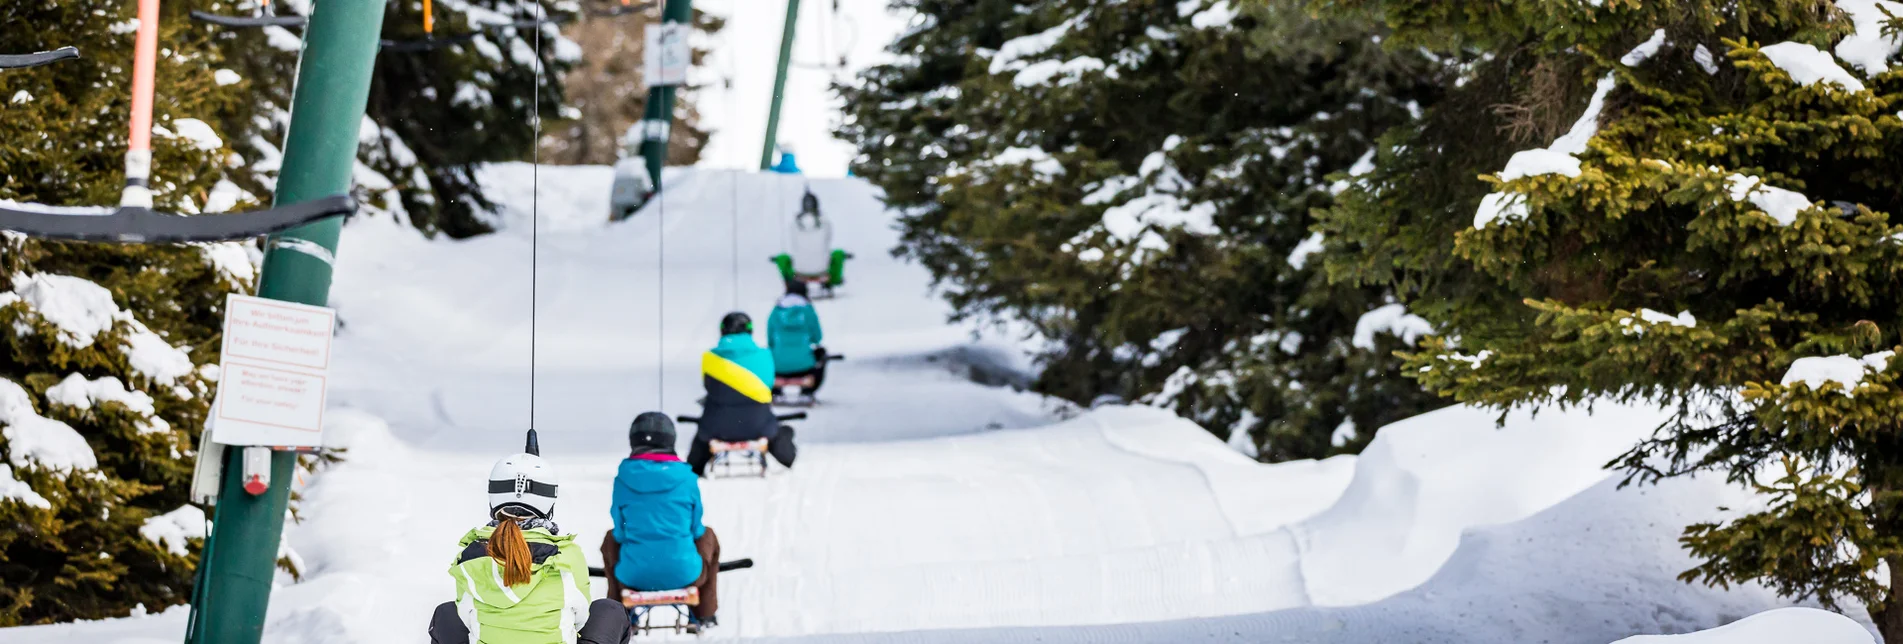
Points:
(435, 113)
(1136, 186)
(1703, 221)
(104, 375)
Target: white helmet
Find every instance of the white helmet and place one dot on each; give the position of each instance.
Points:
(525, 485)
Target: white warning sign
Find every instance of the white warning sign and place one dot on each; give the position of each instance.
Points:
(273, 373)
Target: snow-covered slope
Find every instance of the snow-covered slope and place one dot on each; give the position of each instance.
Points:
(924, 504)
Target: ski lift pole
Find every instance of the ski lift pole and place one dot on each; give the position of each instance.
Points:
(779, 85)
(658, 119)
(327, 109)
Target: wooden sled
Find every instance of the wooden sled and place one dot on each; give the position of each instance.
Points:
(641, 607)
(748, 458)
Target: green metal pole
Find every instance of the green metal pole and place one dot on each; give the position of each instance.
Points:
(779, 84)
(327, 107)
(657, 122)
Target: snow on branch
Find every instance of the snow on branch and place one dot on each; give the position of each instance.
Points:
(174, 529)
(37, 441)
(1392, 319)
(1844, 370)
(1808, 65)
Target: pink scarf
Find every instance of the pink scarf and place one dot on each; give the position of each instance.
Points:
(664, 458)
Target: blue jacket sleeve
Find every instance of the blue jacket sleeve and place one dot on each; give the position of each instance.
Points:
(773, 329)
(813, 317)
(694, 492)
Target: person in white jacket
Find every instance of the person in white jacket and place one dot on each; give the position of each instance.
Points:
(810, 255)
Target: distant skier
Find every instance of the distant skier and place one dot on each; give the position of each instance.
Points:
(657, 541)
(519, 580)
(793, 333)
(739, 403)
(810, 256)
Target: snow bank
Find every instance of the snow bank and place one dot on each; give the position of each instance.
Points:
(173, 529)
(1781, 626)
(36, 441)
(1424, 480)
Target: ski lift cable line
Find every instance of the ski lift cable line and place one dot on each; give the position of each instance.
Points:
(135, 220)
(535, 205)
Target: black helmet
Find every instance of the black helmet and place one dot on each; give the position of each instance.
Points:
(652, 433)
(735, 323)
(809, 203)
(796, 287)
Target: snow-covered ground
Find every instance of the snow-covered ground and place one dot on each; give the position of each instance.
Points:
(924, 504)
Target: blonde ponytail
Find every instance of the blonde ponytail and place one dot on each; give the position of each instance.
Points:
(511, 551)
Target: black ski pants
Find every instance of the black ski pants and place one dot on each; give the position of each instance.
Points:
(699, 453)
(607, 624)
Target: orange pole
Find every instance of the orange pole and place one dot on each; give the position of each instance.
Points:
(145, 57)
(429, 21)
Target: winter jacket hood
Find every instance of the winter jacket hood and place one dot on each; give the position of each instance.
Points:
(792, 331)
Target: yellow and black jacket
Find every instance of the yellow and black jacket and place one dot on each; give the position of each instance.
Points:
(739, 406)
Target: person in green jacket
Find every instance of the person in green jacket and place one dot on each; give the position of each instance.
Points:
(519, 579)
(793, 333)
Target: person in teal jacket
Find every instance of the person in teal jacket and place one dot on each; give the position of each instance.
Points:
(738, 408)
(794, 334)
(657, 541)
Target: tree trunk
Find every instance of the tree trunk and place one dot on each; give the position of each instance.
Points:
(1889, 616)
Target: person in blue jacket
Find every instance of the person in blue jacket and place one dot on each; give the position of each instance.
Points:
(738, 408)
(793, 333)
(658, 541)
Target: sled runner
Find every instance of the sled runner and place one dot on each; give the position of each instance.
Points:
(641, 605)
(738, 459)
